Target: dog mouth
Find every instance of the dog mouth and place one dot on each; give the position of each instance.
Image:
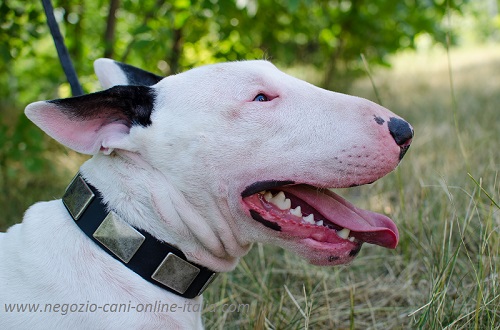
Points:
(318, 217)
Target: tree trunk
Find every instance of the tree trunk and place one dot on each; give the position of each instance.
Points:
(176, 51)
(109, 34)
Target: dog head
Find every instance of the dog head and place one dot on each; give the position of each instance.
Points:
(246, 145)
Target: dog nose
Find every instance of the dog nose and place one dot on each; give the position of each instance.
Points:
(402, 133)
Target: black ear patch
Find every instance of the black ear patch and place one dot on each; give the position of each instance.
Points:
(131, 105)
(136, 76)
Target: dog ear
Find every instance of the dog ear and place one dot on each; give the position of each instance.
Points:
(111, 73)
(97, 121)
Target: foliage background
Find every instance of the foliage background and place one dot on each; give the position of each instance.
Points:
(171, 36)
(448, 223)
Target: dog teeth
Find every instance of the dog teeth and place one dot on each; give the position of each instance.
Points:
(344, 233)
(287, 205)
(283, 203)
(309, 219)
(268, 196)
(279, 200)
(296, 211)
(279, 197)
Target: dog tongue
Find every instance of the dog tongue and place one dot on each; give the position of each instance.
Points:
(369, 227)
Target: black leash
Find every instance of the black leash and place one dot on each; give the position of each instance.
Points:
(62, 51)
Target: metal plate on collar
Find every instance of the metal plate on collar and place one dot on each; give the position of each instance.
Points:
(176, 273)
(77, 197)
(119, 237)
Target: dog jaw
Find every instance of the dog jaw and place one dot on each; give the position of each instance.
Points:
(319, 221)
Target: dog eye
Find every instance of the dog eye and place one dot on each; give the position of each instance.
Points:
(261, 98)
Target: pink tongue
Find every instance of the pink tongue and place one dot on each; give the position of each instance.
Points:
(369, 227)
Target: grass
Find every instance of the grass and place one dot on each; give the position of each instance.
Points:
(444, 197)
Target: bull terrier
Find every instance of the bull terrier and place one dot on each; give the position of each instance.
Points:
(187, 172)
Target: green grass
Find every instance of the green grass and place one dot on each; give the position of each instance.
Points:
(444, 197)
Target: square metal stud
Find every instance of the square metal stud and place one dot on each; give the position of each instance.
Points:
(119, 237)
(176, 273)
(77, 197)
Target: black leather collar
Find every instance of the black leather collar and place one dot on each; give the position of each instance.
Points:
(155, 261)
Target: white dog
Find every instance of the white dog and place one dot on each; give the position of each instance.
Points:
(187, 172)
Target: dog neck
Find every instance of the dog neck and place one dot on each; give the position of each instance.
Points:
(155, 261)
(168, 208)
